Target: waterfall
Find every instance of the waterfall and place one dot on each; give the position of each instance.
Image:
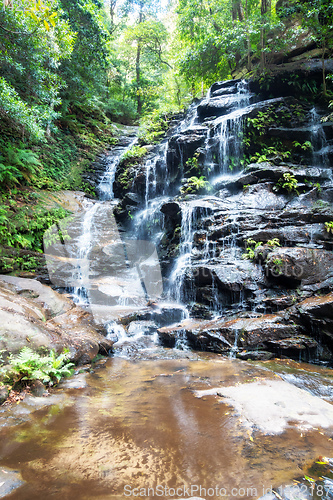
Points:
(229, 129)
(176, 286)
(221, 156)
(84, 244)
(105, 187)
(197, 231)
(318, 140)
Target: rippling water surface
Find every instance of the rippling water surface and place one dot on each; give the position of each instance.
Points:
(136, 424)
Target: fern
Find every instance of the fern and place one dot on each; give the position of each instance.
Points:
(28, 365)
(9, 175)
(18, 165)
(25, 160)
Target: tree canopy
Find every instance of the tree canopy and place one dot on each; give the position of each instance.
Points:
(124, 59)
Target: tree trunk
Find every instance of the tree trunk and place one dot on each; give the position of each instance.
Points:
(265, 10)
(249, 62)
(324, 71)
(237, 10)
(138, 74)
(262, 50)
(137, 66)
(112, 10)
(237, 13)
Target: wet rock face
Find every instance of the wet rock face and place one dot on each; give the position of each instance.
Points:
(304, 265)
(250, 238)
(263, 333)
(181, 148)
(275, 208)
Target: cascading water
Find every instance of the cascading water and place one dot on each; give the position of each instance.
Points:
(318, 140)
(105, 187)
(230, 128)
(105, 273)
(184, 259)
(223, 145)
(222, 152)
(203, 233)
(84, 245)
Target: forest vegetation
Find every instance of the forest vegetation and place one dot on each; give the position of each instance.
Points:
(71, 69)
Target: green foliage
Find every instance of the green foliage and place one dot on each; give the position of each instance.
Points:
(329, 226)
(252, 245)
(269, 153)
(275, 242)
(305, 146)
(86, 72)
(17, 166)
(33, 41)
(144, 46)
(277, 266)
(25, 226)
(315, 185)
(120, 111)
(24, 118)
(154, 126)
(133, 155)
(307, 88)
(27, 366)
(318, 17)
(213, 37)
(262, 121)
(287, 182)
(196, 185)
(193, 166)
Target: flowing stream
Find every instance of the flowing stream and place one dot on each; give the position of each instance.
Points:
(153, 422)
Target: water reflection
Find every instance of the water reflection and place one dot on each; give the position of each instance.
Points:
(138, 423)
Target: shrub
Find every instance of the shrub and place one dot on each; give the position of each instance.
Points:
(287, 182)
(133, 155)
(329, 226)
(195, 185)
(27, 366)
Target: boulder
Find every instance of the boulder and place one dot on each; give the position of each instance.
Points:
(216, 106)
(4, 392)
(227, 84)
(51, 301)
(181, 148)
(33, 315)
(279, 74)
(164, 314)
(302, 265)
(221, 336)
(301, 347)
(319, 307)
(259, 172)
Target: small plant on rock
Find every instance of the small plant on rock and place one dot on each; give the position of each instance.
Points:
(133, 155)
(251, 246)
(277, 266)
(329, 226)
(195, 184)
(305, 146)
(275, 242)
(288, 182)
